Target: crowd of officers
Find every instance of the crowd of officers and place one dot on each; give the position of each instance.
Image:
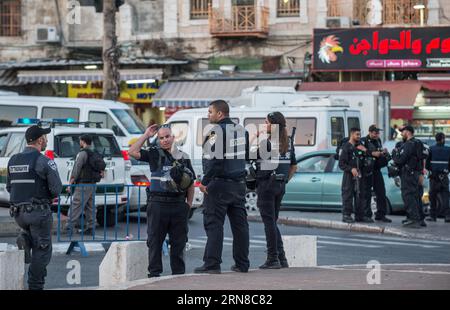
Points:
(362, 159)
(33, 182)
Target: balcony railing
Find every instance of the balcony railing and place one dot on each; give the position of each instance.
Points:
(245, 21)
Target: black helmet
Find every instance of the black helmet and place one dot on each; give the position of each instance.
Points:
(178, 178)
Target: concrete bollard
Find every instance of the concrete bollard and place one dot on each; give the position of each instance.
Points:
(301, 251)
(124, 261)
(12, 268)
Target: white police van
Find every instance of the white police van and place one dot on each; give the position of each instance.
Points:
(113, 115)
(63, 146)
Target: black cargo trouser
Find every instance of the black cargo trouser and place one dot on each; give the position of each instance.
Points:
(439, 194)
(166, 218)
(37, 225)
(410, 193)
(270, 194)
(351, 201)
(225, 198)
(376, 182)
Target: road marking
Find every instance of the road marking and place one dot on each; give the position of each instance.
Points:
(406, 240)
(382, 242)
(388, 270)
(349, 244)
(202, 241)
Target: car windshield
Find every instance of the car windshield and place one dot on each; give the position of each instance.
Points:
(68, 146)
(129, 120)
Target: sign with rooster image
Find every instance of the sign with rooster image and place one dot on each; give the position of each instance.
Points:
(390, 49)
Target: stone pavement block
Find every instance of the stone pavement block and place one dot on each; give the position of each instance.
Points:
(124, 261)
(301, 251)
(12, 269)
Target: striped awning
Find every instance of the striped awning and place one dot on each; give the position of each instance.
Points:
(200, 93)
(8, 78)
(52, 76)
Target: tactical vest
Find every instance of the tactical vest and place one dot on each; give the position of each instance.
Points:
(25, 182)
(87, 173)
(440, 155)
(165, 163)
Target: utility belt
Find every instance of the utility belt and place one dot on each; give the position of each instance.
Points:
(164, 198)
(275, 177)
(230, 180)
(16, 208)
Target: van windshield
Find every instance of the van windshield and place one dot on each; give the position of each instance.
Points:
(68, 146)
(129, 120)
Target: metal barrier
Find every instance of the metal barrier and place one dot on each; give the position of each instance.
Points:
(112, 205)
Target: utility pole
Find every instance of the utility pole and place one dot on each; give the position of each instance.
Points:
(110, 54)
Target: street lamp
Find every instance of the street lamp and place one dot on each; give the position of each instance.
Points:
(421, 7)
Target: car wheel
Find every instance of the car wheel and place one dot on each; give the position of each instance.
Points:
(250, 201)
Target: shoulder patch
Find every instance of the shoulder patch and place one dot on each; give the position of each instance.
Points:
(52, 165)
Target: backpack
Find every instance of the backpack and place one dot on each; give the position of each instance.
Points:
(422, 151)
(339, 147)
(97, 165)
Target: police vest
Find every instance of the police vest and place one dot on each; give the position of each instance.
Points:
(25, 182)
(165, 163)
(440, 155)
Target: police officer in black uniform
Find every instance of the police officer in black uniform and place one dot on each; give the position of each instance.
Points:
(33, 182)
(406, 158)
(351, 161)
(169, 198)
(225, 152)
(275, 167)
(438, 164)
(379, 158)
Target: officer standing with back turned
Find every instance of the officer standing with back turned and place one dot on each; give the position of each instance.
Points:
(33, 182)
(438, 163)
(225, 152)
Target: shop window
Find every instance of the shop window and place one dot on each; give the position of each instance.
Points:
(288, 8)
(200, 9)
(10, 18)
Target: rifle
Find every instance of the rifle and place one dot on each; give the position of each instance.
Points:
(358, 178)
(294, 129)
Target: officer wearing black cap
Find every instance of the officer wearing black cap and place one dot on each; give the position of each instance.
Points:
(379, 158)
(407, 158)
(169, 198)
(438, 164)
(225, 152)
(276, 164)
(33, 182)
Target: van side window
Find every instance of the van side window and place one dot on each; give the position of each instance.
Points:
(180, 132)
(50, 112)
(9, 114)
(337, 130)
(15, 144)
(306, 129)
(3, 140)
(352, 122)
(107, 122)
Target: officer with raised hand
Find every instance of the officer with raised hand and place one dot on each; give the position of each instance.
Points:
(33, 182)
(407, 159)
(225, 152)
(438, 164)
(170, 197)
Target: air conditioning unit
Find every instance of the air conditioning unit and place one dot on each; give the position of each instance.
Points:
(47, 35)
(338, 22)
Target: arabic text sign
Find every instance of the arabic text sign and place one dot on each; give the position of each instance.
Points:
(382, 49)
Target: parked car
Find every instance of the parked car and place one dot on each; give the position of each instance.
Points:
(63, 146)
(317, 186)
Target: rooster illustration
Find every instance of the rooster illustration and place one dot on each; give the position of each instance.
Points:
(328, 49)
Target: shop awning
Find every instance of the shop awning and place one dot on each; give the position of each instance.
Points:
(199, 93)
(51, 76)
(440, 86)
(403, 93)
(405, 114)
(8, 78)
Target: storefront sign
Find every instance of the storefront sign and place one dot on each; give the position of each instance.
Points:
(396, 49)
(129, 93)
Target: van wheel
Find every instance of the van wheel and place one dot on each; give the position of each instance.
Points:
(250, 201)
(110, 217)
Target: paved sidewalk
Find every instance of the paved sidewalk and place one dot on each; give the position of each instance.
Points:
(404, 277)
(333, 220)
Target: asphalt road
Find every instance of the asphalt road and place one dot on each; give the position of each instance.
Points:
(334, 248)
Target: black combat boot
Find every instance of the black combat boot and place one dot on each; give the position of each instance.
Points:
(283, 261)
(271, 263)
(24, 243)
(348, 219)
